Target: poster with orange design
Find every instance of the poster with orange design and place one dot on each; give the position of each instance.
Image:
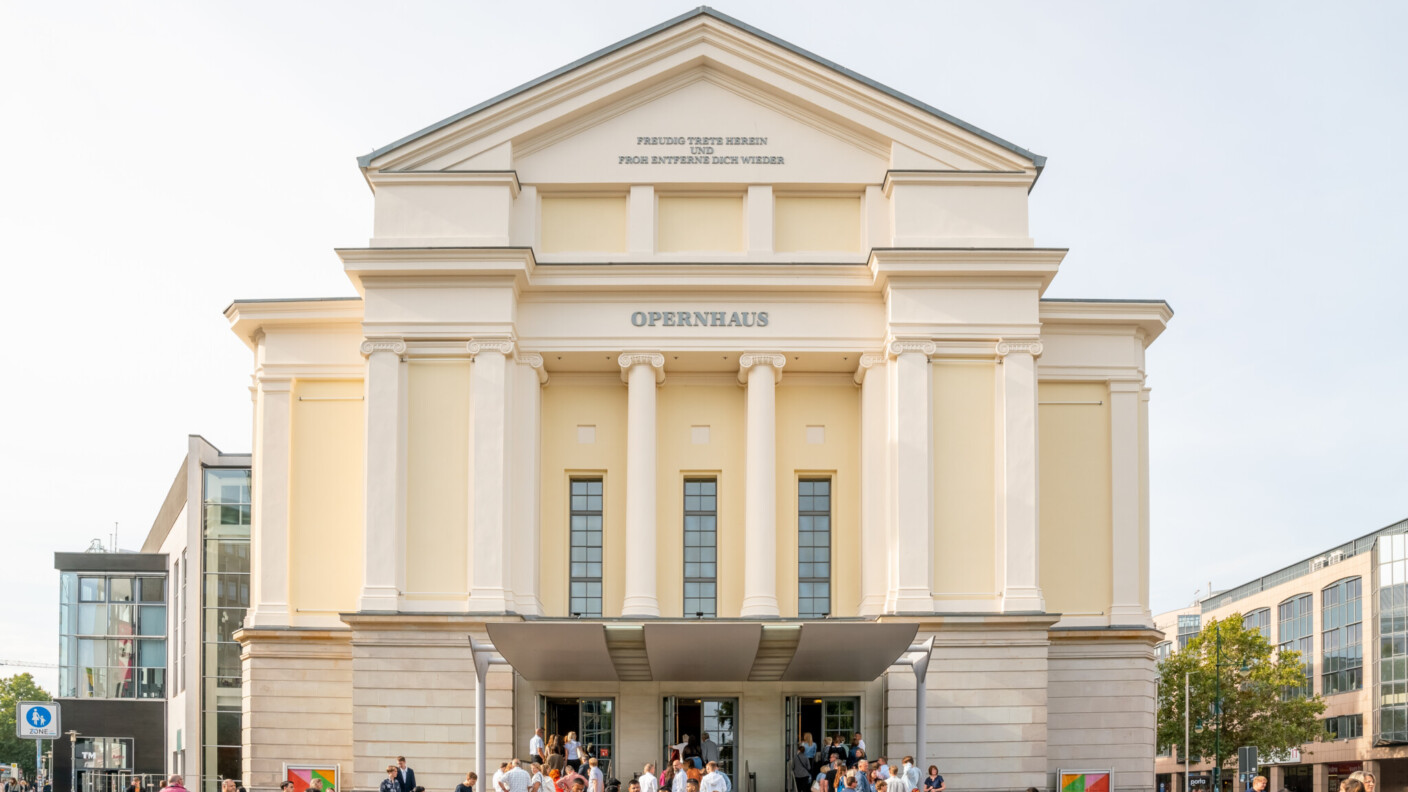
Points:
(312, 778)
(1083, 781)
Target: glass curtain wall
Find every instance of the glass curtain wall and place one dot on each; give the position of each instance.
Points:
(112, 635)
(1259, 620)
(224, 600)
(1390, 671)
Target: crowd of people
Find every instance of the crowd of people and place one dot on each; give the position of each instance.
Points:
(841, 766)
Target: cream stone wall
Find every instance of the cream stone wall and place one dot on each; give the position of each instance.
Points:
(297, 702)
(599, 402)
(965, 551)
(576, 223)
(816, 223)
(805, 402)
(1100, 706)
(325, 500)
(986, 706)
(437, 481)
(1075, 497)
(684, 402)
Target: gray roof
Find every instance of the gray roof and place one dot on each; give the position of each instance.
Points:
(1038, 160)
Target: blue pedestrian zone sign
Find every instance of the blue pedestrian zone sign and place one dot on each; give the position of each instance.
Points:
(37, 720)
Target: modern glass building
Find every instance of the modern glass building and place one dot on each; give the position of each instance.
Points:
(113, 628)
(1346, 612)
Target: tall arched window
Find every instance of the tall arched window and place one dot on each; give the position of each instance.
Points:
(1259, 620)
(1294, 624)
(1342, 637)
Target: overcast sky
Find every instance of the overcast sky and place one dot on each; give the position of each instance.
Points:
(1244, 161)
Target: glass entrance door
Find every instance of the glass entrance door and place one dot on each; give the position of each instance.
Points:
(822, 717)
(689, 720)
(592, 719)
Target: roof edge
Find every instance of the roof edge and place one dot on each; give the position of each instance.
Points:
(1038, 160)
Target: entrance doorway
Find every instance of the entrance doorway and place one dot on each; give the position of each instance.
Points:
(594, 721)
(693, 718)
(823, 717)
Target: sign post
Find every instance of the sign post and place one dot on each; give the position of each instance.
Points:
(38, 721)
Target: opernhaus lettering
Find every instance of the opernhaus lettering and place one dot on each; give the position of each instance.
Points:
(700, 318)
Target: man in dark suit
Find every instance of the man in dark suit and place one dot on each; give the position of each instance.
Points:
(405, 776)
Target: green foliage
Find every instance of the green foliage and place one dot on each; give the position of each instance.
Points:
(1254, 679)
(20, 687)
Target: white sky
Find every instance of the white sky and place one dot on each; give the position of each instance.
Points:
(1244, 161)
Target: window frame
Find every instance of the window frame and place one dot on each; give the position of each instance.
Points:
(700, 563)
(1340, 670)
(804, 581)
(573, 533)
(1299, 642)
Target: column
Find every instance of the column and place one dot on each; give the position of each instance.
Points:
(762, 372)
(1125, 606)
(530, 377)
(642, 372)
(1017, 499)
(489, 554)
(1319, 778)
(273, 441)
(874, 539)
(913, 470)
(384, 521)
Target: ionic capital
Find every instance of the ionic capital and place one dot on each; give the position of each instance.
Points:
(629, 360)
(1007, 346)
(534, 361)
(901, 346)
(868, 360)
(503, 345)
(748, 360)
(396, 346)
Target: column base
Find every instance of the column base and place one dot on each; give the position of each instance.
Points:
(1023, 600)
(641, 607)
(1130, 616)
(378, 599)
(489, 600)
(759, 608)
(268, 614)
(914, 601)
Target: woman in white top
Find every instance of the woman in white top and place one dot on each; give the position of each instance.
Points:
(574, 757)
(538, 782)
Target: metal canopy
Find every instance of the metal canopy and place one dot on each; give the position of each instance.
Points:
(848, 651)
(702, 651)
(555, 651)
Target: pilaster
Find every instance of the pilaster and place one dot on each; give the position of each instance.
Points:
(1126, 607)
(384, 527)
(762, 372)
(874, 506)
(912, 464)
(1017, 500)
(491, 553)
(526, 409)
(273, 405)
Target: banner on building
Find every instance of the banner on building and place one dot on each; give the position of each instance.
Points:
(312, 777)
(1083, 781)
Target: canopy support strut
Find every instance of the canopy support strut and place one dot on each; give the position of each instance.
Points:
(484, 656)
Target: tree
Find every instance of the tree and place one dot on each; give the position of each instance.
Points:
(20, 687)
(1254, 680)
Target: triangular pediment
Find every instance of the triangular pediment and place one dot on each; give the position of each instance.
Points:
(702, 98)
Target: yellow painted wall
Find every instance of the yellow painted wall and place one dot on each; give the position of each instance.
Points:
(688, 223)
(583, 224)
(965, 543)
(1075, 498)
(718, 403)
(816, 223)
(836, 407)
(325, 497)
(437, 480)
(568, 402)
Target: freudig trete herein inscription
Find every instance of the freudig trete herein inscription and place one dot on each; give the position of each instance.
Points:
(702, 150)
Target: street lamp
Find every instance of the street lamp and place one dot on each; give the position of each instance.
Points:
(72, 765)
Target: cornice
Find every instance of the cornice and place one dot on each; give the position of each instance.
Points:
(748, 360)
(510, 265)
(895, 267)
(464, 178)
(957, 178)
(249, 319)
(1150, 316)
(629, 360)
